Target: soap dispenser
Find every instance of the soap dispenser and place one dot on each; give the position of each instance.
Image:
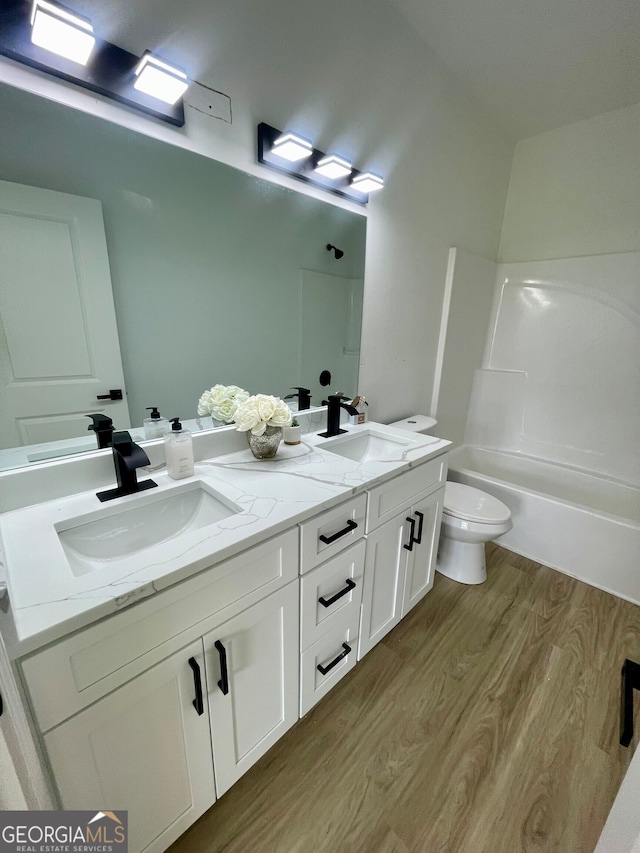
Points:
(155, 426)
(178, 450)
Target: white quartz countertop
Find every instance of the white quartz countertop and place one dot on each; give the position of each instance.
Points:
(48, 601)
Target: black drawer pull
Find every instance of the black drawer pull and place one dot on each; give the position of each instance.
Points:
(412, 522)
(223, 684)
(325, 669)
(198, 703)
(351, 525)
(421, 517)
(327, 602)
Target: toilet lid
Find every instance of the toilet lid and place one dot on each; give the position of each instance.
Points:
(473, 505)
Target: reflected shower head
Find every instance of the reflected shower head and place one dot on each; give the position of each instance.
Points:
(338, 252)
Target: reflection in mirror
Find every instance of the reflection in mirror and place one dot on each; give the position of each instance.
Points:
(216, 277)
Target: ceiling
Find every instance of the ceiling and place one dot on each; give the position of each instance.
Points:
(536, 64)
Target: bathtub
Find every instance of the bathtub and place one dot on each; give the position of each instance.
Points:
(583, 525)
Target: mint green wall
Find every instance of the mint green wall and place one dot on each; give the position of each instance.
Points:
(205, 259)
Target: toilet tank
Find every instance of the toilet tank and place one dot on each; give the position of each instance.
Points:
(416, 423)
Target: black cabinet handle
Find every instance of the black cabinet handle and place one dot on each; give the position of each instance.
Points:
(327, 602)
(351, 525)
(223, 684)
(325, 669)
(421, 517)
(412, 522)
(198, 703)
(114, 394)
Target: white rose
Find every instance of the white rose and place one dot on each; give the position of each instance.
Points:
(203, 404)
(282, 415)
(225, 411)
(217, 395)
(247, 415)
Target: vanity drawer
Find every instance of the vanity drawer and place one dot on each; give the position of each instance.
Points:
(388, 499)
(335, 653)
(77, 671)
(331, 532)
(329, 592)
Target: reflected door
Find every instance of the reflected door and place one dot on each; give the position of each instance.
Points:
(59, 348)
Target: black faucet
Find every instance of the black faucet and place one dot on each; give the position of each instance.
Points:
(303, 396)
(102, 425)
(334, 404)
(127, 456)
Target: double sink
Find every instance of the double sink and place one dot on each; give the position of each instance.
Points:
(93, 541)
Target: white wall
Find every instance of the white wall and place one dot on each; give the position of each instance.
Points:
(354, 78)
(575, 190)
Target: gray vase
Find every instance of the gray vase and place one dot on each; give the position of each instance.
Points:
(265, 446)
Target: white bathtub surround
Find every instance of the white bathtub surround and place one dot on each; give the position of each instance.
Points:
(560, 377)
(571, 520)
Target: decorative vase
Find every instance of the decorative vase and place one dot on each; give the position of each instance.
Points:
(292, 434)
(266, 445)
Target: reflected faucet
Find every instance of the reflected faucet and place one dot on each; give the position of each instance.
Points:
(102, 425)
(303, 397)
(127, 457)
(334, 404)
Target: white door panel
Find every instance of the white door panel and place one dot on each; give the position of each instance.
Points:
(59, 345)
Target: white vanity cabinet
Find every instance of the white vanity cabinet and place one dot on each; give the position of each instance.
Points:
(330, 597)
(129, 708)
(403, 526)
(145, 748)
(252, 683)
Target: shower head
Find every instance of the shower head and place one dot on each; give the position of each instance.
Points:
(338, 252)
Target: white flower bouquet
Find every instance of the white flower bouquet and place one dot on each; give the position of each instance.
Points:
(260, 411)
(221, 402)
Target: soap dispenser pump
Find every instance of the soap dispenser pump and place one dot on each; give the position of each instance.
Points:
(178, 449)
(155, 426)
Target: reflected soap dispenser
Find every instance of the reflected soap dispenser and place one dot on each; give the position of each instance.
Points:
(155, 426)
(178, 450)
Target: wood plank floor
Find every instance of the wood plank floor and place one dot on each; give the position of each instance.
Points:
(486, 722)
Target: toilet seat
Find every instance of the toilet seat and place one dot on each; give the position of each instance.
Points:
(469, 504)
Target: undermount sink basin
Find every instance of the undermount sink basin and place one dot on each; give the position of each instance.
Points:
(372, 444)
(93, 541)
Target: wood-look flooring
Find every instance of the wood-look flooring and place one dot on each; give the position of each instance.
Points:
(487, 721)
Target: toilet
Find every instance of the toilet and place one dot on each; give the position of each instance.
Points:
(470, 517)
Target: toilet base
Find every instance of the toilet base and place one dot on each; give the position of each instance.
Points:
(463, 562)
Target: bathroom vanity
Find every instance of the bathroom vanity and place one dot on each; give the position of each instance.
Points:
(166, 641)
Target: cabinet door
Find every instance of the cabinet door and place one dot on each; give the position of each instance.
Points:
(421, 559)
(145, 748)
(252, 677)
(383, 587)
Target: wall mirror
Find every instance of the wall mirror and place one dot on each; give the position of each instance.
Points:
(217, 276)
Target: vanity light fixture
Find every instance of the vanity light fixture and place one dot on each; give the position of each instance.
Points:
(62, 32)
(333, 167)
(157, 78)
(55, 41)
(292, 147)
(367, 182)
(295, 156)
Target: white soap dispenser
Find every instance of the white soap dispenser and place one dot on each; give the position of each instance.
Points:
(178, 450)
(155, 426)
